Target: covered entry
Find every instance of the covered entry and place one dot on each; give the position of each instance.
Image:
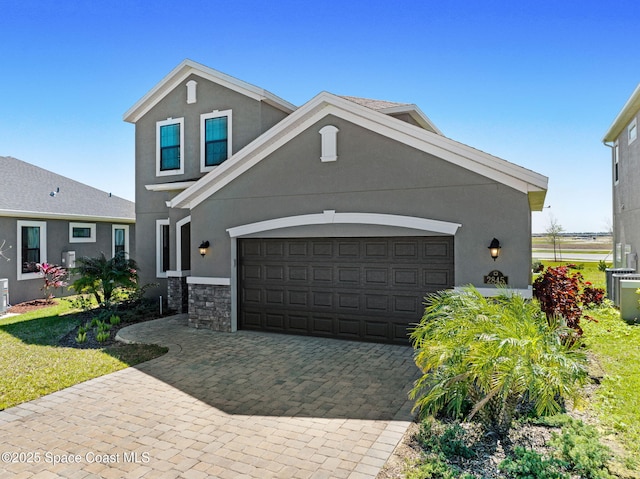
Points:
(367, 289)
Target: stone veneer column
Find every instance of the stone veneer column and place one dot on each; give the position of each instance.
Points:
(210, 306)
(177, 292)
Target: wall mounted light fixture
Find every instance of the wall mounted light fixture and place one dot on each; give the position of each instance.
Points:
(203, 248)
(494, 248)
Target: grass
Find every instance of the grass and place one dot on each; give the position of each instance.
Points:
(28, 349)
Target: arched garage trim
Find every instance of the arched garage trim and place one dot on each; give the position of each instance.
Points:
(331, 217)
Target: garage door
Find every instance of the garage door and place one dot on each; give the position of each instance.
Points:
(367, 289)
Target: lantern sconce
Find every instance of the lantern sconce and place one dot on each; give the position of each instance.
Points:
(203, 248)
(494, 248)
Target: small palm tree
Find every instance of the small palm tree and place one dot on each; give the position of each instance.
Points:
(486, 357)
(101, 276)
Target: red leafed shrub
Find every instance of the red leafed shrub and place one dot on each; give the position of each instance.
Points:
(558, 293)
(592, 296)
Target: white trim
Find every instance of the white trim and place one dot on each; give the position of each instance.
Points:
(324, 104)
(159, 225)
(414, 112)
(58, 216)
(159, 125)
(189, 67)
(628, 111)
(178, 274)
(90, 239)
(331, 217)
(203, 118)
(179, 226)
(178, 185)
(526, 293)
(113, 238)
(43, 248)
(208, 280)
(329, 143)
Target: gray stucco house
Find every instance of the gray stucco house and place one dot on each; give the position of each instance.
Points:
(334, 218)
(622, 138)
(46, 217)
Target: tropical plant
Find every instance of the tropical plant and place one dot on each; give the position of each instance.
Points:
(486, 357)
(102, 277)
(529, 464)
(54, 277)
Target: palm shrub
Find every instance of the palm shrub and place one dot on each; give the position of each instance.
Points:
(102, 277)
(486, 357)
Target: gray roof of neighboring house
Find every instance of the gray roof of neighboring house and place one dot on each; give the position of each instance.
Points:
(29, 191)
(373, 104)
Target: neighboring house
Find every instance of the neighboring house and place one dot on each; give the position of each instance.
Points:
(334, 219)
(48, 218)
(622, 138)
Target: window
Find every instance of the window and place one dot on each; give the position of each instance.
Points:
(82, 233)
(32, 248)
(329, 136)
(162, 248)
(183, 244)
(215, 139)
(632, 130)
(170, 147)
(119, 239)
(616, 164)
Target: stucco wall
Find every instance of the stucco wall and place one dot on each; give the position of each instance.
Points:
(372, 175)
(250, 118)
(57, 243)
(626, 196)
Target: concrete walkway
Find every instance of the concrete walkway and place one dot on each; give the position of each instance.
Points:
(220, 405)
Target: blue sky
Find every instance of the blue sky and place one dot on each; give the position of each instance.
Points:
(534, 82)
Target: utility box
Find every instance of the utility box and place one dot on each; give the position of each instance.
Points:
(4, 295)
(629, 300)
(68, 259)
(611, 291)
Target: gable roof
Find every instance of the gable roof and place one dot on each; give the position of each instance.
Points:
(28, 191)
(629, 110)
(188, 67)
(529, 182)
(391, 108)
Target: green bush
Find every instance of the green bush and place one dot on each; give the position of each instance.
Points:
(529, 464)
(579, 445)
(492, 355)
(449, 442)
(436, 469)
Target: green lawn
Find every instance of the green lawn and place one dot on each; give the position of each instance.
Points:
(33, 365)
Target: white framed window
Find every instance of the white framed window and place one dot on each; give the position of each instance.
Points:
(32, 248)
(632, 130)
(215, 139)
(119, 239)
(82, 232)
(170, 147)
(329, 136)
(162, 248)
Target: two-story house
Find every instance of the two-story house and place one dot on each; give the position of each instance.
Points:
(334, 218)
(622, 138)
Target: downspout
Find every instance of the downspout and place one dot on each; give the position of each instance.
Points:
(613, 207)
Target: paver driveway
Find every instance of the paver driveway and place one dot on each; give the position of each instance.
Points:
(220, 405)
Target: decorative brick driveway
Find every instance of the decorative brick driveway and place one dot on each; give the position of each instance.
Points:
(220, 405)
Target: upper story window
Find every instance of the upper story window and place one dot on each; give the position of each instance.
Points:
(632, 130)
(170, 147)
(616, 163)
(215, 138)
(32, 248)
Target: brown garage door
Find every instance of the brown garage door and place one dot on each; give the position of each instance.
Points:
(368, 289)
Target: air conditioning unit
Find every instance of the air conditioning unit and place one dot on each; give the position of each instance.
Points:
(68, 259)
(4, 295)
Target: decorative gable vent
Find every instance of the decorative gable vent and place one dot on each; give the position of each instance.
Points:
(191, 91)
(329, 136)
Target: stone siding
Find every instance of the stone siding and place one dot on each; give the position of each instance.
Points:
(210, 307)
(177, 294)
